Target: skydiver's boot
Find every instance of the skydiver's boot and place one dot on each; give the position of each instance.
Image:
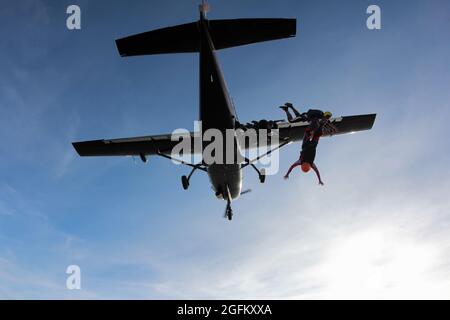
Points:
(285, 108)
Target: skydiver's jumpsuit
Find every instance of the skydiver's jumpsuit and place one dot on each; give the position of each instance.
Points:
(309, 146)
(312, 115)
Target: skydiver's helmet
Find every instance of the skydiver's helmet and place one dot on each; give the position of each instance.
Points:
(305, 167)
(327, 115)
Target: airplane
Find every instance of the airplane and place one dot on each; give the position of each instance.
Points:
(216, 109)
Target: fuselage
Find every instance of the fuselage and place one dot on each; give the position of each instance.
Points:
(217, 112)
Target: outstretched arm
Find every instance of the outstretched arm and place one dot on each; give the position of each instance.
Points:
(316, 170)
(295, 164)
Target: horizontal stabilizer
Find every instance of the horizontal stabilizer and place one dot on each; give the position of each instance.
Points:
(239, 32)
(224, 34)
(177, 39)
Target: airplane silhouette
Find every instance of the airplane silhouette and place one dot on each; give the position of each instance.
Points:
(216, 108)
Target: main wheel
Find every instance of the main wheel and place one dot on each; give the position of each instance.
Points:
(230, 215)
(185, 182)
(262, 176)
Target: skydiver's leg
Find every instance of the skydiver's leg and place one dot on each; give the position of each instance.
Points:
(288, 114)
(306, 138)
(295, 164)
(295, 111)
(299, 117)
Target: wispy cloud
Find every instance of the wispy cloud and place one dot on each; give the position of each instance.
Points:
(378, 229)
(20, 281)
(367, 234)
(366, 250)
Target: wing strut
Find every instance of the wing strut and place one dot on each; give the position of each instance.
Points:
(196, 166)
(185, 179)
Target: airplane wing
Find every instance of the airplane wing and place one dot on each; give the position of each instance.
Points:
(348, 124)
(291, 132)
(137, 146)
(163, 144)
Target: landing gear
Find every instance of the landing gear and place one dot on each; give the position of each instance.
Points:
(229, 214)
(228, 211)
(261, 173)
(185, 182)
(185, 179)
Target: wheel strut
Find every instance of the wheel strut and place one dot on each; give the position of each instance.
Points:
(185, 179)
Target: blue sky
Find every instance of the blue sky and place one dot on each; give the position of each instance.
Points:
(377, 229)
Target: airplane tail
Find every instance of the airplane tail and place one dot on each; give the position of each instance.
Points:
(224, 34)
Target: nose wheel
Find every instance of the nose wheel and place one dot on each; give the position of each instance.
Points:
(229, 211)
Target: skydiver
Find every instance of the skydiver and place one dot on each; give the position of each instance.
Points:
(317, 118)
(310, 115)
(308, 153)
